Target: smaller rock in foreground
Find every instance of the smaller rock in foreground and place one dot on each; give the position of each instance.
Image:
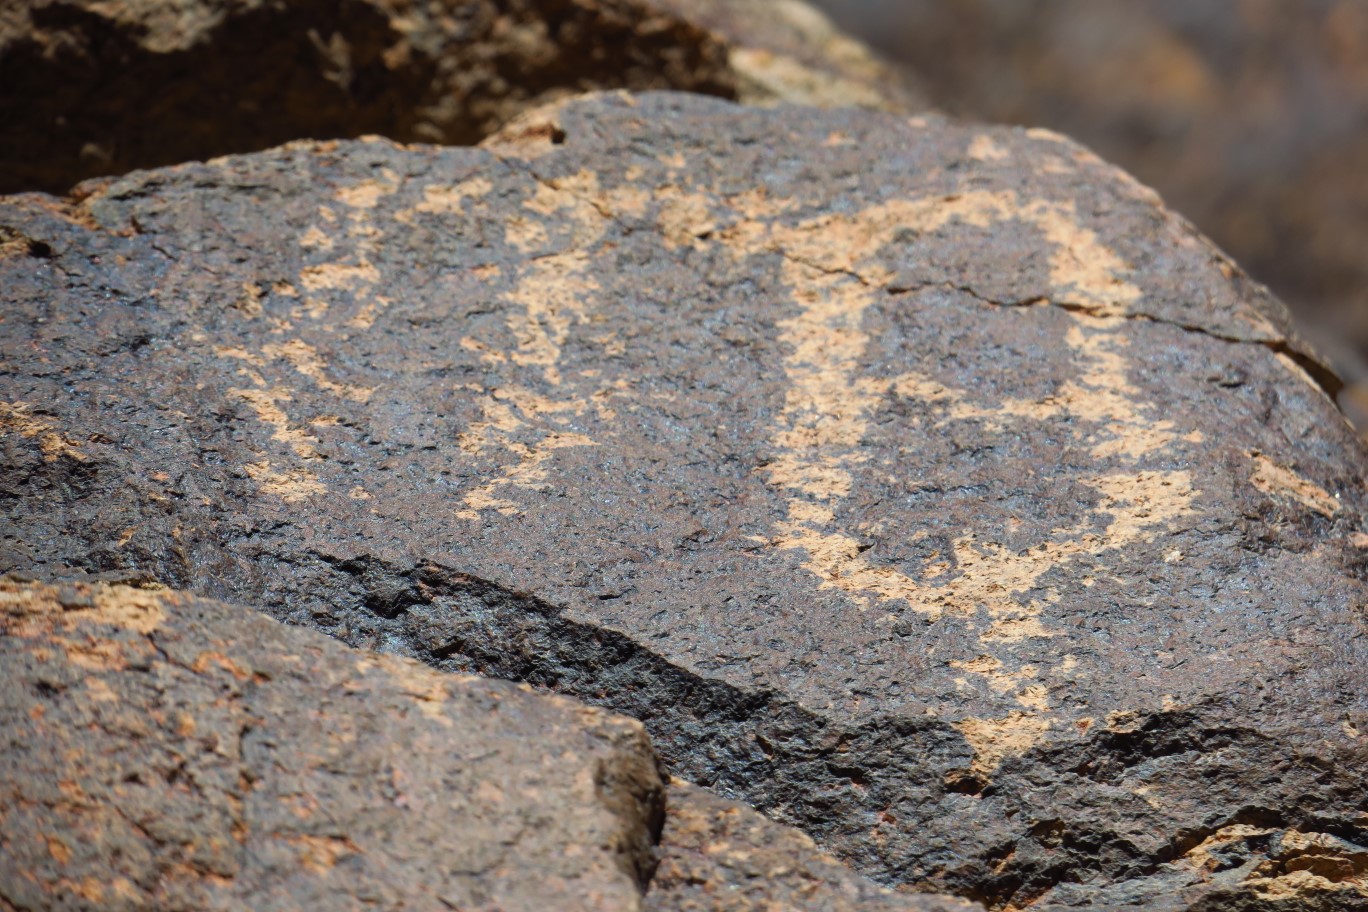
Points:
(168, 752)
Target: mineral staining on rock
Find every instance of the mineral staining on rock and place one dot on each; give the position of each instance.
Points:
(926, 486)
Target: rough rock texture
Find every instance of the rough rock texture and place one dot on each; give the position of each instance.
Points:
(1250, 116)
(720, 856)
(167, 752)
(91, 87)
(929, 487)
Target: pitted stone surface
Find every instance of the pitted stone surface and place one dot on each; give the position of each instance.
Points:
(168, 752)
(720, 856)
(927, 486)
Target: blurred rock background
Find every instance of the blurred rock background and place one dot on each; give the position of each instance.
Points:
(1249, 116)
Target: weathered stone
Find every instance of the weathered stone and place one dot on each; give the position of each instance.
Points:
(167, 752)
(92, 87)
(720, 856)
(929, 487)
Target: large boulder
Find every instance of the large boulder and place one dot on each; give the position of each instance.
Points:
(93, 87)
(927, 486)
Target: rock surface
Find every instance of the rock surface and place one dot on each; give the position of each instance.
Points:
(166, 752)
(720, 856)
(169, 752)
(91, 87)
(928, 487)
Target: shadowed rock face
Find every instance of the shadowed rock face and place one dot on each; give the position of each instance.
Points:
(929, 487)
(91, 88)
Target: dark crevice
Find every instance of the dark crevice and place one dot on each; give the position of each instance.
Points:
(1323, 376)
(1320, 374)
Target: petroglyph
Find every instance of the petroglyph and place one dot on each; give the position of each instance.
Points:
(1280, 481)
(443, 200)
(367, 194)
(353, 274)
(291, 485)
(334, 276)
(832, 271)
(903, 530)
(306, 360)
(826, 407)
(984, 148)
(266, 404)
(831, 267)
(553, 295)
